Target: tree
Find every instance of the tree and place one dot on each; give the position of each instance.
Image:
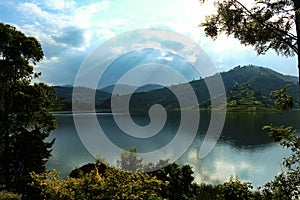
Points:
(130, 162)
(25, 120)
(235, 189)
(286, 185)
(178, 181)
(269, 24)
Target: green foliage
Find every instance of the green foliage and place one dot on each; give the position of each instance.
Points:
(171, 182)
(113, 184)
(25, 120)
(117, 184)
(100, 181)
(205, 192)
(287, 184)
(282, 100)
(5, 195)
(244, 97)
(235, 189)
(178, 181)
(267, 25)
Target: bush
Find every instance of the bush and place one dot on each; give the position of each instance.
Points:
(5, 195)
(113, 184)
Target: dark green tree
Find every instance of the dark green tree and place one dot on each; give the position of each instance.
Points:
(269, 24)
(25, 121)
(179, 181)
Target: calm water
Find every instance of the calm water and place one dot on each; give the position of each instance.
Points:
(243, 150)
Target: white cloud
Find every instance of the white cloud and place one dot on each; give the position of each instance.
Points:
(33, 9)
(60, 4)
(104, 34)
(50, 21)
(50, 60)
(85, 16)
(167, 58)
(53, 27)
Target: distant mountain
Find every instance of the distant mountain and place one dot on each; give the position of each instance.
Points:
(65, 93)
(126, 89)
(247, 88)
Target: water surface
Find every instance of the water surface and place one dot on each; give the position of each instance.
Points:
(243, 150)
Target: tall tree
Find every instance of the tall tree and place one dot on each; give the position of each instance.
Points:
(269, 24)
(25, 121)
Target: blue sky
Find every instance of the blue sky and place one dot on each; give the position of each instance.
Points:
(69, 30)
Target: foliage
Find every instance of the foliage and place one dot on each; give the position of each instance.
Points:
(172, 182)
(178, 181)
(267, 25)
(25, 120)
(282, 100)
(113, 184)
(287, 184)
(130, 162)
(244, 97)
(101, 181)
(235, 189)
(205, 191)
(5, 195)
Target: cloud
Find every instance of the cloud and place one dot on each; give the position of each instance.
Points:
(104, 34)
(71, 36)
(33, 10)
(61, 24)
(60, 4)
(50, 60)
(167, 58)
(72, 28)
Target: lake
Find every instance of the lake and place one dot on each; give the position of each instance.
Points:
(243, 149)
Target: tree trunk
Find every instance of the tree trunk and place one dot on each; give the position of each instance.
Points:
(297, 22)
(298, 53)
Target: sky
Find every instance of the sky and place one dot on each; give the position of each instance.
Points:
(69, 30)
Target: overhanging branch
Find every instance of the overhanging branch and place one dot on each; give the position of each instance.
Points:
(271, 28)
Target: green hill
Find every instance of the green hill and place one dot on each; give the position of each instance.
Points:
(247, 88)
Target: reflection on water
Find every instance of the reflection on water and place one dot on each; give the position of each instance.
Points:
(243, 150)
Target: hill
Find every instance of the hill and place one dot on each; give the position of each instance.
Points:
(247, 88)
(126, 89)
(64, 97)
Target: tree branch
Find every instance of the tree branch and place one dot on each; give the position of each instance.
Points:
(270, 27)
